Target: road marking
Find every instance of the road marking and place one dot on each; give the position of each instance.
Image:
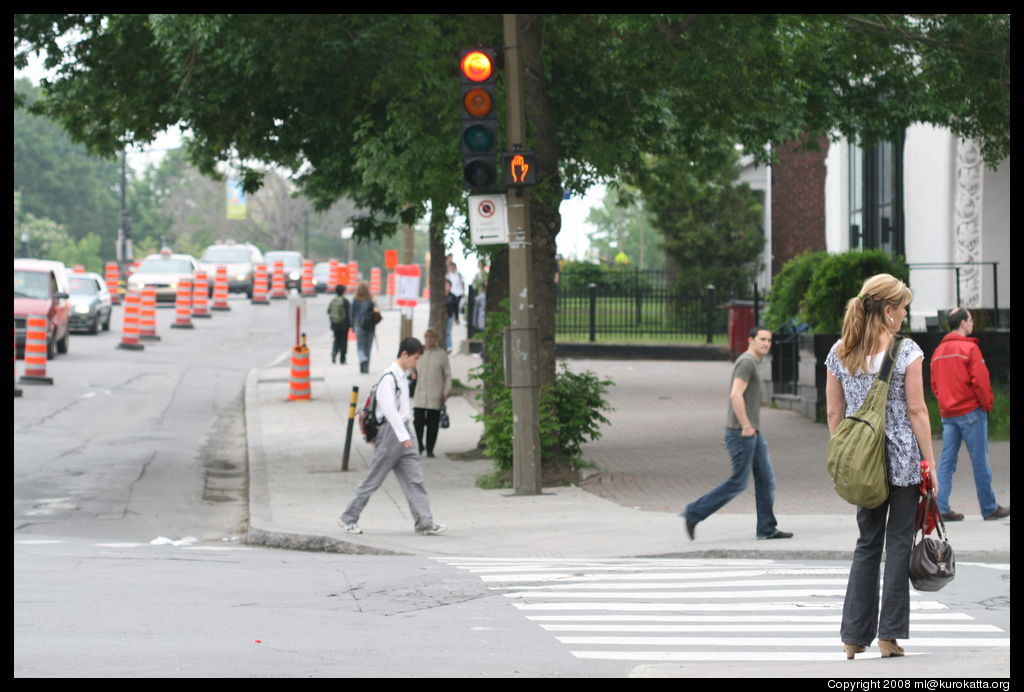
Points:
(701, 610)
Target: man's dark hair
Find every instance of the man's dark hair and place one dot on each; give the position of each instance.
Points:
(758, 328)
(340, 289)
(410, 345)
(956, 316)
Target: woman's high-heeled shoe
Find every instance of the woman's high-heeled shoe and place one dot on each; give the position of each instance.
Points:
(890, 648)
(852, 649)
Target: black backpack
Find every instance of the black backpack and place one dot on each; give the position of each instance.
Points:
(369, 426)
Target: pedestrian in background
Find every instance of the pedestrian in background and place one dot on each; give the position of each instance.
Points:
(433, 387)
(338, 311)
(871, 321)
(393, 448)
(961, 383)
(451, 306)
(361, 307)
(748, 450)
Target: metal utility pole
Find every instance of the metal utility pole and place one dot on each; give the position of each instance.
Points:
(124, 239)
(521, 335)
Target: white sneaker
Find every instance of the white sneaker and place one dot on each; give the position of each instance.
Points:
(352, 528)
(433, 530)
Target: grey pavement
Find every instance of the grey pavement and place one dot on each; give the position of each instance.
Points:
(662, 450)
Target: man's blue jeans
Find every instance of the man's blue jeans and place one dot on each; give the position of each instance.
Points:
(972, 428)
(748, 454)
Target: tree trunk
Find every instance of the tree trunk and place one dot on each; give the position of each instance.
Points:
(438, 319)
(545, 221)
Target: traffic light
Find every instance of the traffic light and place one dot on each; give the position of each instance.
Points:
(479, 121)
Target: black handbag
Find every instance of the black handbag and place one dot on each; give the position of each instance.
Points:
(444, 416)
(932, 564)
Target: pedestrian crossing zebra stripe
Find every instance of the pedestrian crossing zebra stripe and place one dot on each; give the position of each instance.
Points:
(700, 610)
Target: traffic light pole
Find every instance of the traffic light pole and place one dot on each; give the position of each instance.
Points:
(521, 337)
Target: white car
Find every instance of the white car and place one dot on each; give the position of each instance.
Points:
(163, 272)
(240, 259)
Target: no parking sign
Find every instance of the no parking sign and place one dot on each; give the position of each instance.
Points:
(488, 219)
(408, 285)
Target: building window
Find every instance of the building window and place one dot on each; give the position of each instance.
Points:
(876, 197)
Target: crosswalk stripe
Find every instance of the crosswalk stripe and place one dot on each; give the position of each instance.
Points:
(704, 610)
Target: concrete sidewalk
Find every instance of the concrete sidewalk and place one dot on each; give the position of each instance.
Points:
(662, 450)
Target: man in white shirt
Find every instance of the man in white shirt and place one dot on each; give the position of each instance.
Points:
(394, 449)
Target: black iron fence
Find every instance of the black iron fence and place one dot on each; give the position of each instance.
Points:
(629, 304)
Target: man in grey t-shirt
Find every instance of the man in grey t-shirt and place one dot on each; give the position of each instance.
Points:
(746, 445)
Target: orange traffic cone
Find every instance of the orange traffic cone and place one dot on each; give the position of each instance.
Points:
(36, 351)
(147, 315)
(113, 282)
(259, 286)
(298, 387)
(130, 326)
(278, 290)
(183, 306)
(220, 289)
(308, 289)
(200, 294)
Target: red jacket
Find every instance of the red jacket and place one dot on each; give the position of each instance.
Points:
(960, 378)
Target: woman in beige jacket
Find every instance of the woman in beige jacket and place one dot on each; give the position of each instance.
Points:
(433, 386)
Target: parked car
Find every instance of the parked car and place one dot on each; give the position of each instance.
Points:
(292, 266)
(239, 258)
(90, 303)
(41, 288)
(163, 271)
(321, 276)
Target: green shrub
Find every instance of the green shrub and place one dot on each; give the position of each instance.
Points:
(785, 302)
(839, 278)
(578, 399)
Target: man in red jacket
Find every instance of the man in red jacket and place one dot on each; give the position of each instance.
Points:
(960, 381)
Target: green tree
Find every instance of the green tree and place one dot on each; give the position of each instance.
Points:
(712, 223)
(366, 105)
(623, 224)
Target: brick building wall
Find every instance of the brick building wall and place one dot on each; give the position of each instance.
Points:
(798, 202)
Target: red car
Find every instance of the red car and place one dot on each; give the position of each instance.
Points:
(41, 288)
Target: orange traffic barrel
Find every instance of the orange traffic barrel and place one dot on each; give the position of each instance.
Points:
(375, 281)
(220, 289)
(308, 288)
(332, 275)
(200, 294)
(17, 392)
(36, 351)
(113, 276)
(130, 326)
(147, 314)
(183, 306)
(353, 276)
(391, 283)
(277, 287)
(298, 386)
(259, 285)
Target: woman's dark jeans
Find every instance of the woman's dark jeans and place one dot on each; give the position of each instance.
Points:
(890, 525)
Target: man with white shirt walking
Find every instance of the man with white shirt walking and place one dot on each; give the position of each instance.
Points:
(394, 447)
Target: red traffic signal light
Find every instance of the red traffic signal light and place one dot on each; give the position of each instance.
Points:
(479, 140)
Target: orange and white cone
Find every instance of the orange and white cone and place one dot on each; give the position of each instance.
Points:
(332, 275)
(147, 315)
(183, 306)
(130, 326)
(220, 289)
(298, 386)
(113, 278)
(259, 286)
(278, 289)
(375, 281)
(308, 288)
(36, 351)
(200, 295)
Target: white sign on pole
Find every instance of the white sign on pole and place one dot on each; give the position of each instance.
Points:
(488, 219)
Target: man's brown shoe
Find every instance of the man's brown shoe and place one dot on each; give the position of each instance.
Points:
(952, 516)
(1000, 513)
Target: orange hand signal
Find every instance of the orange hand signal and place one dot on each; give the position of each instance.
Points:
(518, 162)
